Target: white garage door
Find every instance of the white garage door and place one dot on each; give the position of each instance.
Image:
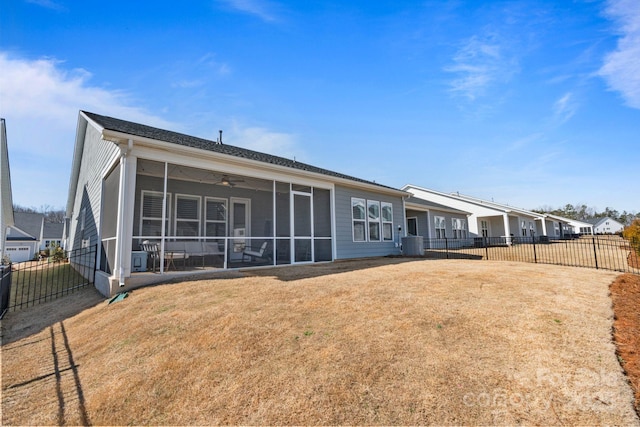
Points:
(19, 254)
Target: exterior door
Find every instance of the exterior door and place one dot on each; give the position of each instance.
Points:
(412, 226)
(302, 221)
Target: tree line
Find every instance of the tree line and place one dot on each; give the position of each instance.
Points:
(584, 212)
(50, 213)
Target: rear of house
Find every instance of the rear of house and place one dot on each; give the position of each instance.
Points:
(158, 201)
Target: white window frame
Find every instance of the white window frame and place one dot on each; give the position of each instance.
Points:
(484, 227)
(459, 228)
(151, 218)
(362, 221)
(373, 221)
(441, 232)
(523, 228)
(208, 221)
(387, 223)
(189, 220)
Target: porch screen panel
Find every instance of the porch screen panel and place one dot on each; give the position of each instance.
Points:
(187, 216)
(152, 213)
(283, 224)
(216, 217)
(109, 219)
(321, 213)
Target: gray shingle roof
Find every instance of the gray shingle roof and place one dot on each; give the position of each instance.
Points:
(53, 230)
(136, 129)
(29, 222)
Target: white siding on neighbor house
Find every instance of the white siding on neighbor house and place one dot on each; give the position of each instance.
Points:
(476, 211)
(97, 155)
(6, 207)
(345, 246)
(448, 216)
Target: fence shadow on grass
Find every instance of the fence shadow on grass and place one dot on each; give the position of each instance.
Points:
(29, 321)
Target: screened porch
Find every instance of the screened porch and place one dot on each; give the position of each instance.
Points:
(195, 219)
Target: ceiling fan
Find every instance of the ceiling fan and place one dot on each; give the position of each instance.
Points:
(228, 182)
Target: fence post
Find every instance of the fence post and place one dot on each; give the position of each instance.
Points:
(446, 246)
(5, 289)
(595, 253)
(535, 255)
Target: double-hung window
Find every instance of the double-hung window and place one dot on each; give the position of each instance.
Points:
(151, 215)
(187, 215)
(215, 217)
(387, 221)
(459, 228)
(523, 227)
(373, 209)
(439, 227)
(359, 219)
(484, 225)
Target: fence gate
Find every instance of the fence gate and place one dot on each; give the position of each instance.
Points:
(34, 282)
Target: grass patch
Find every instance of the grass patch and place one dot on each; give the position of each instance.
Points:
(343, 343)
(42, 281)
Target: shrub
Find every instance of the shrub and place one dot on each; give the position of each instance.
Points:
(632, 234)
(58, 254)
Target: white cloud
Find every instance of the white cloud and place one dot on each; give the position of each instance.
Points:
(480, 62)
(40, 100)
(621, 68)
(260, 8)
(265, 141)
(564, 108)
(47, 4)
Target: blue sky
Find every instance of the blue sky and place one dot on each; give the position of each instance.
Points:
(529, 103)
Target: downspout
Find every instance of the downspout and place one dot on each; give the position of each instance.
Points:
(121, 209)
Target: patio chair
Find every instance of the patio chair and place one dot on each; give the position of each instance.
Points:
(152, 250)
(252, 254)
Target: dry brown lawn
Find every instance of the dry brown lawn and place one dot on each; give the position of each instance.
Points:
(385, 341)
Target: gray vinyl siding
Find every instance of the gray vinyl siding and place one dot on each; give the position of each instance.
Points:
(422, 219)
(96, 156)
(345, 246)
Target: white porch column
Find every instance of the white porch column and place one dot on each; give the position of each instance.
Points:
(126, 195)
(507, 228)
(544, 226)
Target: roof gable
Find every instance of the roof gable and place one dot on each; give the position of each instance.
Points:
(29, 223)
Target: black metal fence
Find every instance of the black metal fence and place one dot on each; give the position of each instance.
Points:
(600, 252)
(5, 288)
(34, 282)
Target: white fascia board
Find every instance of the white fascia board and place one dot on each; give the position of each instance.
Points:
(197, 157)
(424, 208)
(479, 202)
(476, 209)
(81, 131)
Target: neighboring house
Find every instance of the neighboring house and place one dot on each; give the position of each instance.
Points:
(434, 220)
(606, 226)
(152, 199)
(578, 227)
(23, 238)
(52, 233)
(490, 219)
(6, 209)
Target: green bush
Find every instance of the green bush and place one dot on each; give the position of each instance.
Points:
(58, 254)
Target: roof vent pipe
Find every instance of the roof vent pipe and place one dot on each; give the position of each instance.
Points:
(220, 138)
